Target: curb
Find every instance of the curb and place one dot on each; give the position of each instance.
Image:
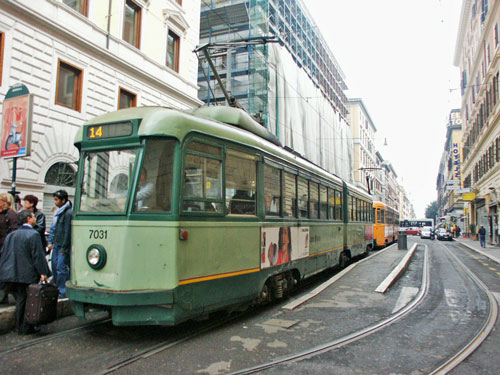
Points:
(397, 272)
(8, 314)
(481, 252)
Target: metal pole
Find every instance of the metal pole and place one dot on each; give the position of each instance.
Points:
(14, 170)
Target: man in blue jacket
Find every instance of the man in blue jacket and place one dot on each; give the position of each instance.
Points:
(22, 263)
(60, 240)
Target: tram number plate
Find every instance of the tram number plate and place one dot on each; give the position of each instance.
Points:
(98, 234)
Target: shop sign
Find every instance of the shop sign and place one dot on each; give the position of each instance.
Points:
(468, 196)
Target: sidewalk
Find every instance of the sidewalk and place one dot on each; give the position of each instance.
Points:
(490, 251)
(8, 318)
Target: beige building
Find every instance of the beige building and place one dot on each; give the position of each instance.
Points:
(476, 55)
(83, 58)
(370, 168)
(363, 135)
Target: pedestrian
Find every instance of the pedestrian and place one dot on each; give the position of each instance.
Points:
(458, 231)
(60, 240)
(8, 217)
(23, 263)
(30, 202)
(19, 205)
(482, 236)
(8, 224)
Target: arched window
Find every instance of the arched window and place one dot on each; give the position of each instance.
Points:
(61, 174)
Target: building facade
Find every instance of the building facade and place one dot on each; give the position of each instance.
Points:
(477, 56)
(294, 86)
(81, 59)
(363, 136)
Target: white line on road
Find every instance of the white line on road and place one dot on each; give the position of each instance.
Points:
(407, 294)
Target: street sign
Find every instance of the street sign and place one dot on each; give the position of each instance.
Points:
(452, 187)
(452, 182)
(464, 190)
(16, 122)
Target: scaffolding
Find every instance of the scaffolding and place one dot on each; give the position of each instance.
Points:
(273, 82)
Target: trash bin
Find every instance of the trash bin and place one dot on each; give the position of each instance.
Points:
(402, 241)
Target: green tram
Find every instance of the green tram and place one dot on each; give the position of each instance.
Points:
(181, 213)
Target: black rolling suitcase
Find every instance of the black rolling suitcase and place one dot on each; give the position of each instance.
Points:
(41, 304)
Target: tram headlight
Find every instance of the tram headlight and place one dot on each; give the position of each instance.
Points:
(96, 256)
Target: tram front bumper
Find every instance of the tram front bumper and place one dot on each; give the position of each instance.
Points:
(138, 307)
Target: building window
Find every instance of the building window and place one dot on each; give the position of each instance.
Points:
(69, 86)
(173, 43)
(80, 6)
(132, 23)
(126, 99)
(61, 174)
(2, 42)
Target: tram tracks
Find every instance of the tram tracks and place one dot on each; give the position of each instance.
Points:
(54, 336)
(350, 338)
(444, 368)
(482, 333)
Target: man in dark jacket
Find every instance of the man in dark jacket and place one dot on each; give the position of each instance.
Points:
(60, 240)
(22, 263)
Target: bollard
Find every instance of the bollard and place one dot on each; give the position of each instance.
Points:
(402, 241)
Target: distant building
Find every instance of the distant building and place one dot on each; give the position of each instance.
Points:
(81, 59)
(475, 54)
(363, 136)
(449, 182)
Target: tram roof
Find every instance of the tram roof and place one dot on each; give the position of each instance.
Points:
(163, 121)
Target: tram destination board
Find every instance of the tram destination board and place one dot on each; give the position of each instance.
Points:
(115, 130)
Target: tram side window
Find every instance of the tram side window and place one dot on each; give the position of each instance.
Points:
(323, 202)
(338, 205)
(272, 190)
(303, 194)
(331, 205)
(241, 177)
(351, 208)
(202, 178)
(154, 191)
(313, 196)
(289, 195)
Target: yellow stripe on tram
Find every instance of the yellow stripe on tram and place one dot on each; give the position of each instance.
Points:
(219, 276)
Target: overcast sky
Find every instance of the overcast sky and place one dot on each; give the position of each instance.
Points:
(397, 56)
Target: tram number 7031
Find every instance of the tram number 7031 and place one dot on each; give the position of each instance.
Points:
(98, 234)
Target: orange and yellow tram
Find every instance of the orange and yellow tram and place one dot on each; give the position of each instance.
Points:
(386, 224)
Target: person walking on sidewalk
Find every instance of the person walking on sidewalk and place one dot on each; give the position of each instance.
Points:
(30, 202)
(60, 240)
(23, 263)
(482, 236)
(8, 223)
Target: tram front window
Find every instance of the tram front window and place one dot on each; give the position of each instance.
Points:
(106, 180)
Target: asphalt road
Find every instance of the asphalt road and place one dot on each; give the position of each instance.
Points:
(448, 315)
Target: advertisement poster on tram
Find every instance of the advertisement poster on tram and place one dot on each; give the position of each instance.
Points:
(16, 127)
(283, 244)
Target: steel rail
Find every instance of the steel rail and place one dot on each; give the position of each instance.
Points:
(345, 340)
(157, 348)
(53, 336)
(483, 332)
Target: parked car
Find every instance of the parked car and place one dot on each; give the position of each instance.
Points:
(427, 233)
(443, 235)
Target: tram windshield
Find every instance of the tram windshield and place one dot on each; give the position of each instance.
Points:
(107, 179)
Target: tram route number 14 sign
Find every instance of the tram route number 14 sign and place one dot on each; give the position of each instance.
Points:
(16, 122)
